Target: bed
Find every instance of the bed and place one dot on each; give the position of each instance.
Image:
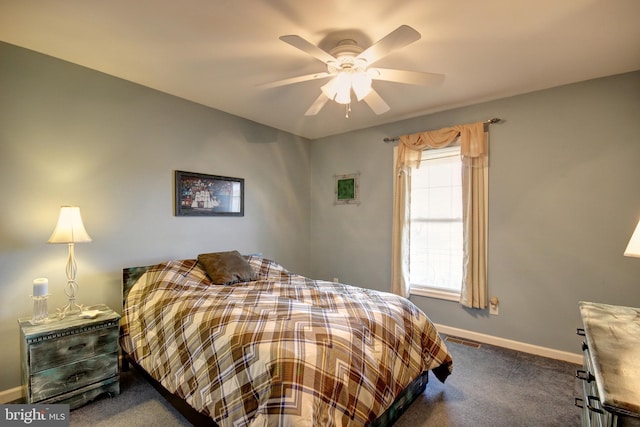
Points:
(238, 340)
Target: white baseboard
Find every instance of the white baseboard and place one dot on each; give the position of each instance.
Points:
(512, 345)
(10, 395)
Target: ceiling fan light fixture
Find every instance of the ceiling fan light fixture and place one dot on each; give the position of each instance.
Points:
(339, 88)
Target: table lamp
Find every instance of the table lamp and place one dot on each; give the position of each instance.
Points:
(70, 230)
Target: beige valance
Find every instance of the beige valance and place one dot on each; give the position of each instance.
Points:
(473, 143)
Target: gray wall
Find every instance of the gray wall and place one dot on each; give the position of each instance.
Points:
(563, 202)
(69, 135)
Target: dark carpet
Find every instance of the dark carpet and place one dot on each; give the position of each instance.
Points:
(490, 386)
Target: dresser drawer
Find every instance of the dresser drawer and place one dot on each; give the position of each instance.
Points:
(65, 378)
(50, 353)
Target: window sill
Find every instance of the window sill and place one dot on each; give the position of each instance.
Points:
(436, 293)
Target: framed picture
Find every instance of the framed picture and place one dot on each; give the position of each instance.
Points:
(346, 189)
(208, 195)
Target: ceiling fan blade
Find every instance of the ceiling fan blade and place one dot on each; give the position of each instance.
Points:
(317, 105)
(398, 38)
(376, 103)
(308, 47)
(408, 77)
(293, 80)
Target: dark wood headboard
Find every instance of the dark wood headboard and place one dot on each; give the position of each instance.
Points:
(130, 276)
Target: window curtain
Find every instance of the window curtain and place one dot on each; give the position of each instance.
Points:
(474, 150)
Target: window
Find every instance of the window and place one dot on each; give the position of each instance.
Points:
(474, 174)
(436, 237)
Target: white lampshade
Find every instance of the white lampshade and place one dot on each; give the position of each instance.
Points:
(70, 228)
(633, 248)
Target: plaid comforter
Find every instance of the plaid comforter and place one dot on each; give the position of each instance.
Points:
(282, 350)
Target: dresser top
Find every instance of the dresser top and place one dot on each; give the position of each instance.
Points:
(613, 337)
(70, 322)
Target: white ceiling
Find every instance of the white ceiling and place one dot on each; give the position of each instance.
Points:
(216, 52)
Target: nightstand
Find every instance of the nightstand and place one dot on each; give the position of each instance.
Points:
(72, 361)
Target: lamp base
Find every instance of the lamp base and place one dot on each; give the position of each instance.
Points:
(70, 308)
(70, 291)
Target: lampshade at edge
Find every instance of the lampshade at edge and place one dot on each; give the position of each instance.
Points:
(633, 248)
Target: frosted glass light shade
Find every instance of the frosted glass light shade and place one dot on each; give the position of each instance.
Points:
(339, 88)
(361, 84)
(330, 89)
(343, 96)
(343, 88)
(70, 228)
(633, 248)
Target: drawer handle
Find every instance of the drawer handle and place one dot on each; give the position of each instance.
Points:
(591, 407)
(74, 378)
(584, 375)
(580, 331)
(579, 402)
(584, 346)
(77, 347)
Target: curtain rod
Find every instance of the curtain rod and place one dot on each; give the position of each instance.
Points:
(487, 122)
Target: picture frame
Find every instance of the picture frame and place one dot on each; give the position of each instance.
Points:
(198, 194)
(347, 189)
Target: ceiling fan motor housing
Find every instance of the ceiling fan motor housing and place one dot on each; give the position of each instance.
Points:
(346, 53)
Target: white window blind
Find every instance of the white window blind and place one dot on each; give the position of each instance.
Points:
(436, 238)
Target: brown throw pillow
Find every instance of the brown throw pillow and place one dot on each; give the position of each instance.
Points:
(226, 268)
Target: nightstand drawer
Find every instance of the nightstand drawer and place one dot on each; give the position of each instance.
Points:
(50, 353)
(65, 378)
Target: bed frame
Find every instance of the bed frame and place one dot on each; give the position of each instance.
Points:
(131, 275)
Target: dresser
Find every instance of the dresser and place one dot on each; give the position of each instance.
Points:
(611, 373)
(72, 360)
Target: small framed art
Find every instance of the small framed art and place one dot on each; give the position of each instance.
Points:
(197, 194)
(346, 189)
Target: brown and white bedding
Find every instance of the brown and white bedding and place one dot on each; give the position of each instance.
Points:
(278, 350)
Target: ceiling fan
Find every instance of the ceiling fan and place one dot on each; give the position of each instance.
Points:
(348, 66)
